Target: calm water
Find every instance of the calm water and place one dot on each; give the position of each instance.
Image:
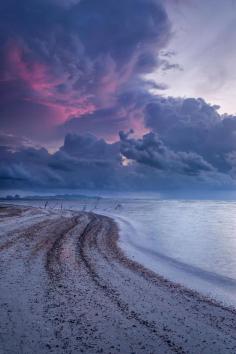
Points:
(190, 242)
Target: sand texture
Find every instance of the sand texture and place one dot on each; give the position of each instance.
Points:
(66, 287)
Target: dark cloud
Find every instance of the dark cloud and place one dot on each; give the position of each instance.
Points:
(128, 111)
(14, 142)
(88, 147)
(85, 162)
(103, 122)
(82, 162)
(151, 151)
(192, 125)
(26, 167)
(168, 66)
(71, 58)
(77, 67)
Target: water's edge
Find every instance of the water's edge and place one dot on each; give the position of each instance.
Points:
(210, 284)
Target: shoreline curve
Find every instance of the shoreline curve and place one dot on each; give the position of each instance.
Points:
(67, 287)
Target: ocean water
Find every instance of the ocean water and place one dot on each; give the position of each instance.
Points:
(189, 242)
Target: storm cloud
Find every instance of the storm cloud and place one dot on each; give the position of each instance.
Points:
(151, 151)
(192, 125)
(64, 60)
(88, 163)
(73, 74)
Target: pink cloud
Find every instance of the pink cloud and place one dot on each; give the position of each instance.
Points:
(43, 85)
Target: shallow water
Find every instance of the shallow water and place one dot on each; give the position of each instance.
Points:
(190, 242)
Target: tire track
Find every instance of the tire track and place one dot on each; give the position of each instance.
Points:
(53, 262)
(93, 230)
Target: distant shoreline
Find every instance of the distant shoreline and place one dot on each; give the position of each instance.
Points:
(66, 197)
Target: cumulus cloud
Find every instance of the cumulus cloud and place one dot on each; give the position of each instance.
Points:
(151, 151)
(82, 162)
(86, 162)
(192, 125)
(88, 147)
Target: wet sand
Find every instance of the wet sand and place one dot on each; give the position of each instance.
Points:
(66, 287)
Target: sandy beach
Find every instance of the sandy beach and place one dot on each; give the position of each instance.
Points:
(67, 287)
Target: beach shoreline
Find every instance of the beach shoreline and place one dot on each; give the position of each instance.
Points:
(67, 287)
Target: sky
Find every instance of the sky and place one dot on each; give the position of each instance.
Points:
(203, 41)
(117, 95)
